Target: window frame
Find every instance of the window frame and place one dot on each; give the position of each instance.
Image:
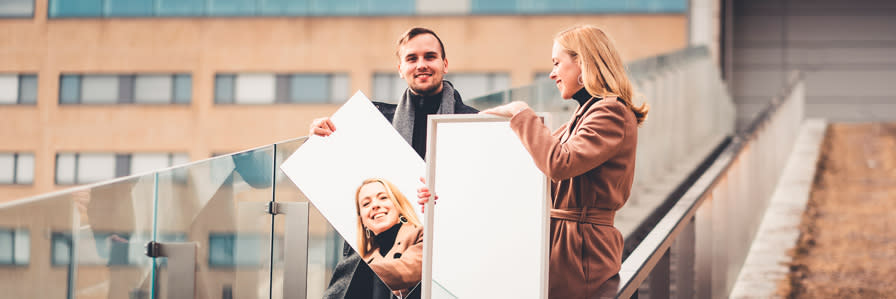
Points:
(128, 94)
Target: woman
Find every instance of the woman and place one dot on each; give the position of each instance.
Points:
(390, 242)
(590, 160)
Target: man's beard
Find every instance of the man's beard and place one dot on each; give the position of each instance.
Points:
(431, 90)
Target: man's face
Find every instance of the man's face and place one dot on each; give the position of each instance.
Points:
(421, 64)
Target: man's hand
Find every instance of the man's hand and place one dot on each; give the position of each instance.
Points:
(423, 195)
(322, 127)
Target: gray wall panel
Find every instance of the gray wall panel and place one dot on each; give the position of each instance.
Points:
(841, 28)
(758, 83)
(840, 57)
(852, 112)
(851, 83)
(847, 49)
(758, 28)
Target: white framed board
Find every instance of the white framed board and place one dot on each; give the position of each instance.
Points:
(488, 235)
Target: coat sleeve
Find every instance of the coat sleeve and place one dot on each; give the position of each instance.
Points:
(404, 272)
(597, 139)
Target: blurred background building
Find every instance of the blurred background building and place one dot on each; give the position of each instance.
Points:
(97, 89)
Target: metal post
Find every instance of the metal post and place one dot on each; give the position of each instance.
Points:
(684, 261)
(181, 266)
(703, 250)
(296, 248)
(659, 278)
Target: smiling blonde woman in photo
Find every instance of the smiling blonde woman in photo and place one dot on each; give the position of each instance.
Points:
(390, 242)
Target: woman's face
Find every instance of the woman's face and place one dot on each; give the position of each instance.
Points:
(378, 214)
(565, 73)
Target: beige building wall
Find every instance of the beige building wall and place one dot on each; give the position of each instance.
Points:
(202, 47)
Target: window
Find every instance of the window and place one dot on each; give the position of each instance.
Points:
(18, 88)
(229, 250)
(16, 168)
(15, 246)
(576, 7)
(280, 88)
(473, 85)
(81, 168)
(125, 89)
(213, 8)
(388, 87)
(541, 76)
(105, 247)
(16, 8)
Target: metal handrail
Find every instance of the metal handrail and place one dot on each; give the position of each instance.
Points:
(641, 262)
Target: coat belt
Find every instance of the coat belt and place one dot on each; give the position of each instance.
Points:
(585, 215)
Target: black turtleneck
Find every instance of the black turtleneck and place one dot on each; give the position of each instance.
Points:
(386, 239)
(424, 106)
(582, 96)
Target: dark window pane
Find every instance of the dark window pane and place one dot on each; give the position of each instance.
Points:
(128, 8)
(7, 250)
(80, 8)
(27, 89)
(391, 7)
(220, 249)
(337, 7)
(181, 7)
(61, 250)
(494, 6)
(224, 85)
(126, 89)
(70, 89)
(284, 7)
(16, 8)
(605, 6)
(548, 6)
(183, 89)
(231, 8)
(310, 88)
(122, 165)
(229, 250)
(282, 89)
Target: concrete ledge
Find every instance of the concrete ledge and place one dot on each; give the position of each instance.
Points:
(767, 263)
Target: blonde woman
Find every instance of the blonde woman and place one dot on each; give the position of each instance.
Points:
(590, 160)
(390, 242)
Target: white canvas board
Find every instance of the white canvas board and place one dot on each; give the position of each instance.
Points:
(489, 229)
(328, 170)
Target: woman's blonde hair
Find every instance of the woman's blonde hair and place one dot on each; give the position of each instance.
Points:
(602, 69)
(398, 199)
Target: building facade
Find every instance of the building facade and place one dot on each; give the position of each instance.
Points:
(98, 89)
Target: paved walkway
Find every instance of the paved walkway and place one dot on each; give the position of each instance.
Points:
(767, 263)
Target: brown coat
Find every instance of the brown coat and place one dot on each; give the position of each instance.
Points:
(591, 169)
(401, 267)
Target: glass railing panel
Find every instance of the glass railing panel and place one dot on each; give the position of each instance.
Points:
(218, 205)
(325, 245)
(84, 243)
(26, 266)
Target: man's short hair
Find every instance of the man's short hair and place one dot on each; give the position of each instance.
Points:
(411, 33)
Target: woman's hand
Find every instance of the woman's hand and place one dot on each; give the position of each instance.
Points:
(322, 127)
(507, 110)
(423, 195)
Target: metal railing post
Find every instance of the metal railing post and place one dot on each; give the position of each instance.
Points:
(181, 266)
(295, 260)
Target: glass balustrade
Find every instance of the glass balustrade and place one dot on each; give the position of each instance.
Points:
(250, 231)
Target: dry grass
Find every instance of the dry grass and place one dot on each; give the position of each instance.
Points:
(847, 246)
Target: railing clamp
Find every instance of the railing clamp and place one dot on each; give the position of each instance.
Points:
(152, 249)
(273, 208)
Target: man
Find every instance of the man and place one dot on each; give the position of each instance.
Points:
(422, 64)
